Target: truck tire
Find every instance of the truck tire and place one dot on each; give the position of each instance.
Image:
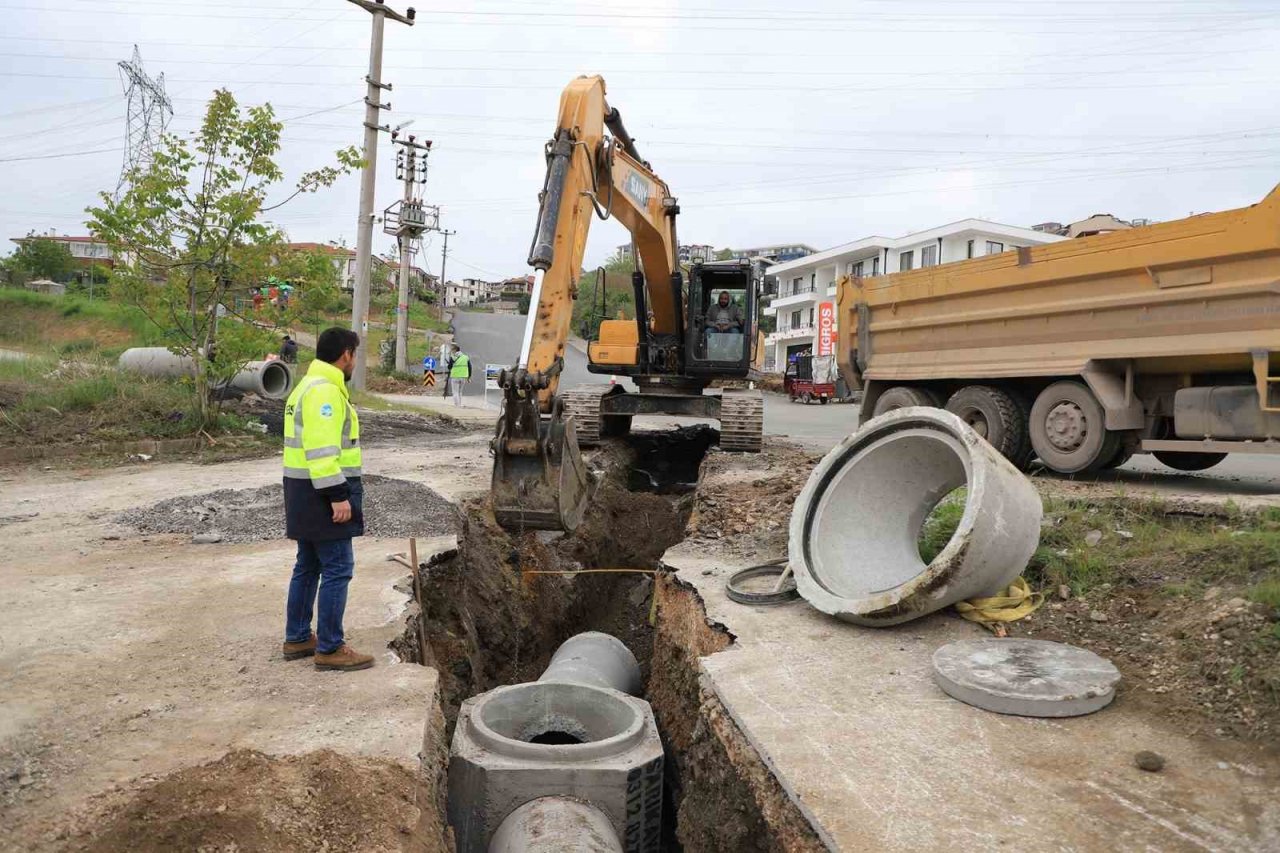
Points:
(1127, 446)
(995, 415)
(1189, 461)
(1068, 429)
(903, 397)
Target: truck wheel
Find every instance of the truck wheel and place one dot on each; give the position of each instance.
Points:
(995, 415)
(903, 397)
(1127, 446)
(825, 400)
(1068, 429)
(1189, 461)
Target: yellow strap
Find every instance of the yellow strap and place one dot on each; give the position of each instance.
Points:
(1014, 603)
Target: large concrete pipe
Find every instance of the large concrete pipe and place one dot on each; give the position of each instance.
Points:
(555, 825)
(270, 379)
(854, 538)
(597, 660)
(574, 737)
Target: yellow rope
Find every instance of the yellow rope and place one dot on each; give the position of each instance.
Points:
(1016, 602)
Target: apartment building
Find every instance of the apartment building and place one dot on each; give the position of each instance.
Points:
(806, 282)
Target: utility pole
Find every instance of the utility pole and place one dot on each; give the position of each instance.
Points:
(444, 259)
(364, 224)
(407, 219)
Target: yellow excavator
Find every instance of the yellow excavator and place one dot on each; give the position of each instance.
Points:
(685, 333)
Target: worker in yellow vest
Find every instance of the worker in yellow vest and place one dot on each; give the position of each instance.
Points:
(459, 373)
(323, 503)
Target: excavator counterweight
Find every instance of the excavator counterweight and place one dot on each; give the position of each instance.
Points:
(685, 332)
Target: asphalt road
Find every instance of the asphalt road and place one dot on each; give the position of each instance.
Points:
(495, 339)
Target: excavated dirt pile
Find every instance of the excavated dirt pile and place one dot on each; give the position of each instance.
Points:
(250, 801)
(395, 508)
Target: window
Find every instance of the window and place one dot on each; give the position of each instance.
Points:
(968, 249)
(795, 319)
(929, 256)
(906, 261)
(810, 316)
(875, 265)
(856, 269)
(994, 248)
(796, 284)
(813, 281)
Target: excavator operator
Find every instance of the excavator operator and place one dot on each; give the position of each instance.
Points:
(725, 315)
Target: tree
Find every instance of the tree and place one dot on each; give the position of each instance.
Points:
(40, 257)
(592, 306)
(724, 255)
(191, 227)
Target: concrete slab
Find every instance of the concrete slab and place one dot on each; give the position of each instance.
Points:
(877, 757)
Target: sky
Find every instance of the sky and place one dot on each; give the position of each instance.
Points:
(818, 121)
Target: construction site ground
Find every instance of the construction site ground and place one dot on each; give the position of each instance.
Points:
(144, 704)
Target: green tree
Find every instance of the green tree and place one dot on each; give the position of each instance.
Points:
(40, 257)
(595, 303)
(191, 225)
(724, 255)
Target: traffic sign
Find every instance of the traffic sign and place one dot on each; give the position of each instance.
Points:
(429, 363)
(429, 379)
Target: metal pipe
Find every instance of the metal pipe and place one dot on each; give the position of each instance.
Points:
(596, 660)
(613, 121)
(555, 825)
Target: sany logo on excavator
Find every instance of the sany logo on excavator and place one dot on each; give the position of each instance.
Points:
(638, 188)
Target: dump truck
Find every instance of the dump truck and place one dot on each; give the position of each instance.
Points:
(1163, 339)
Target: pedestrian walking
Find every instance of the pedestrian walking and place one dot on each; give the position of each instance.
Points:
(459, 373)
(324, 504)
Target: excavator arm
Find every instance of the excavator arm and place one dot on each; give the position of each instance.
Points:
(539, 479)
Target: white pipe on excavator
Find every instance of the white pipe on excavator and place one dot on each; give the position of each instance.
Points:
(532, 318)
(270, 379)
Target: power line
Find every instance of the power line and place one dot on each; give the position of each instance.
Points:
(60, 156)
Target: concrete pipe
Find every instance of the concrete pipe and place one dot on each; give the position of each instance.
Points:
(597, 660)
(854, 537)
(555, 825)
(270, 379)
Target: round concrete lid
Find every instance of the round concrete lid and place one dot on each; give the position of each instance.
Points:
(1031, 678)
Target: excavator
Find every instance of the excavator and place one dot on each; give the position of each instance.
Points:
(675, 347)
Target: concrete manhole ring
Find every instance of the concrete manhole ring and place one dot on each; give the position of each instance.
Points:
(1029, 678)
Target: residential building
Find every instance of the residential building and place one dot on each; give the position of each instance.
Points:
(803, 283)
(344, 261)
(779, 253)
(688, 253)
(85, 251)
(519, 283)
(467, 292)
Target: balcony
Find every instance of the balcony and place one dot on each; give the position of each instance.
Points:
(790, 334)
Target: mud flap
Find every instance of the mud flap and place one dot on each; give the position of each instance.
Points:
(540, 481)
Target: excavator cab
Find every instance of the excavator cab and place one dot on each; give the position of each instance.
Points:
(714, 347)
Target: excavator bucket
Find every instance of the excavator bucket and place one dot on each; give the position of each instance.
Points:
(539, 479)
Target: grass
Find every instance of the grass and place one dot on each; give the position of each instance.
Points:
(44, 402)
(1139, 539)
(72, 325)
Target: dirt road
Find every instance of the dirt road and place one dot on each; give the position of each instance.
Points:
(124, 657)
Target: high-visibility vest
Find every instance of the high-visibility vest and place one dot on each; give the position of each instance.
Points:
(321, 430)
(461, 368)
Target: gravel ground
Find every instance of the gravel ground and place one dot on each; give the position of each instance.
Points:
(393, 508)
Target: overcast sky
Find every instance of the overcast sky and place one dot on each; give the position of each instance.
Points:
(817, 122)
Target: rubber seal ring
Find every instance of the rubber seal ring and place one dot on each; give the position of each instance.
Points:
(742, 596)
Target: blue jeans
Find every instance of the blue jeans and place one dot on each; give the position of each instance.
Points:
(328, 567)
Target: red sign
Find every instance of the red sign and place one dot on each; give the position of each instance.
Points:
(826, 328)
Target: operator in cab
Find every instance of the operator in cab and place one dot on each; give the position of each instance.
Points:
(725, 315)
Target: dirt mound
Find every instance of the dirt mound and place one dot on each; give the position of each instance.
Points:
(375, 426)
(393, 508)
(251, 801)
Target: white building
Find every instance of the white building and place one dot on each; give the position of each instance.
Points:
(805, 282)
(467, 292)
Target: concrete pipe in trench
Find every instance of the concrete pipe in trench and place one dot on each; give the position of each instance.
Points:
(574, 741)
(270, 379)
(555, 825)
(854, 537)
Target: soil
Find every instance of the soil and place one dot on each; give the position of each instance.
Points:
(393, 508)
(375, 426)
(1210, 666)
(251, 801)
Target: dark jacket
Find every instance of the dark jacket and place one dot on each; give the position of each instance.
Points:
(309, 515)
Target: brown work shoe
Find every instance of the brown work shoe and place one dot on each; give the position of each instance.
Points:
(345, 659)
(305, 649)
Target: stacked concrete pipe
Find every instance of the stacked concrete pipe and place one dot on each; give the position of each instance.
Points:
(856, 525)
(270, 379)
(571, 761)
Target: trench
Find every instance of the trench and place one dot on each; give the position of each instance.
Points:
(497, 609)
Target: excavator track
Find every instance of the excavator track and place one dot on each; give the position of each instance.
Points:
(741, 421)
(584, 405)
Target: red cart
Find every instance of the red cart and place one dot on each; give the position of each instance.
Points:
(808, 378)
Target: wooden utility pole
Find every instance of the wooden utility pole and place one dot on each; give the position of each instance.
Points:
(368, 177)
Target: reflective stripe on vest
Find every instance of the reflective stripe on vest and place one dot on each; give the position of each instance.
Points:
(296, 456)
